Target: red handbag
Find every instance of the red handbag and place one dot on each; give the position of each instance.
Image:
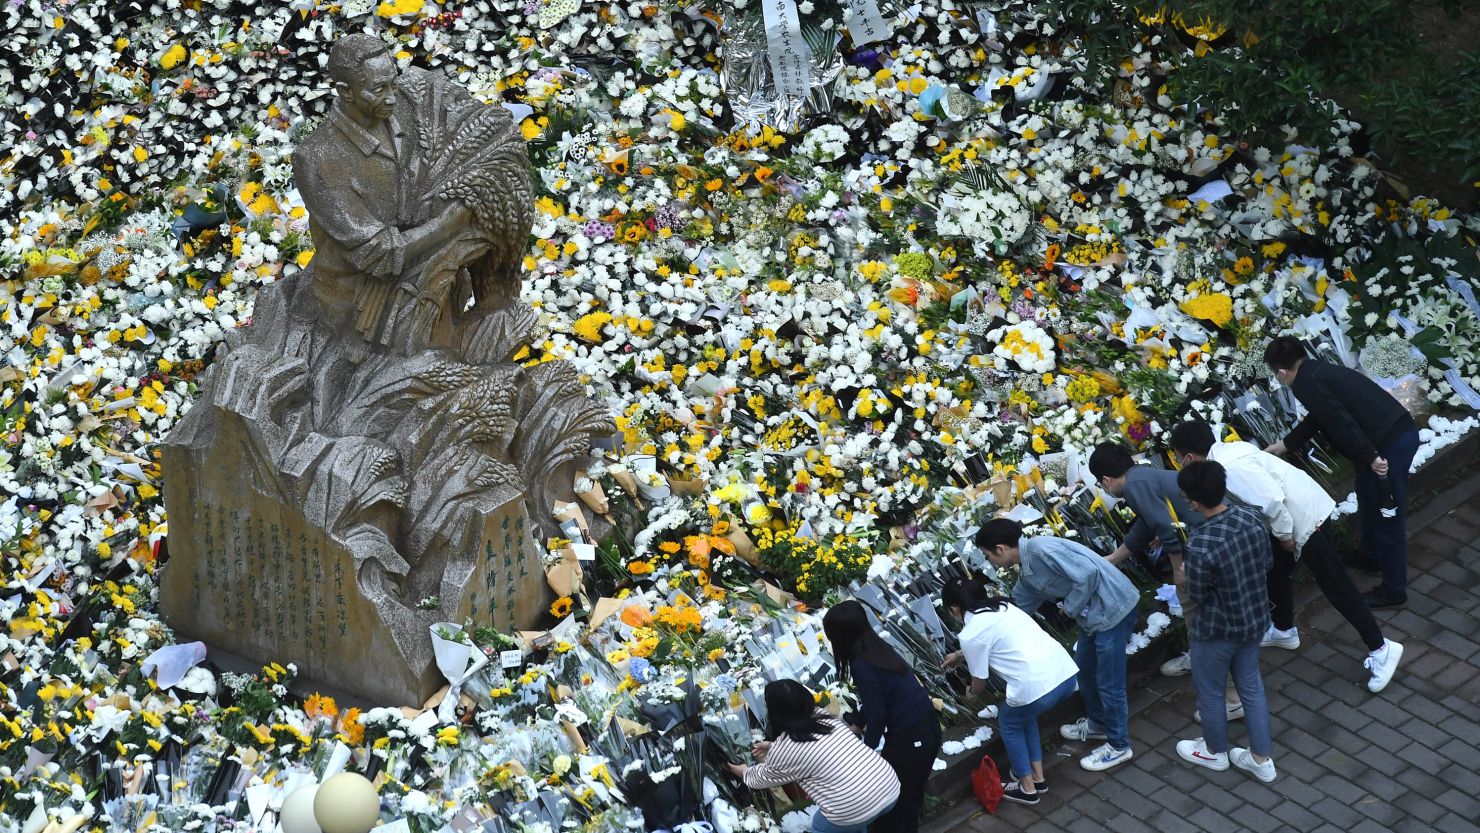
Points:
(986, 783)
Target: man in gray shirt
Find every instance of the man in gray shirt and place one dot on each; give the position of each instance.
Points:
(1163, 515)
(1102, 600)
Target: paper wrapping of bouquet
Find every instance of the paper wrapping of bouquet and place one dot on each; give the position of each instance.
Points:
(252, 575)
(594, 497)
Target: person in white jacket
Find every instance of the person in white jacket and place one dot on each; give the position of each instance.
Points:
(1294, 507)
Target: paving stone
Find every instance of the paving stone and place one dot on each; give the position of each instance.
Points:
(1015, 817)
(1295, 814)
(1458, 802)
(1422, 757)
(1381, 785)
(1303, 742)
(1336, 812)
(1298, 790)
(1414, 625)
(1063, 815)
(1347, 742)
(1179, 803)
(1461, 647)
(1425, 733)
(1420, 782)
(1255, 819)
(1129, 824)
(1378, 810)
(1457, 824)
(1459, 705)
(1306, 695)
(1419, 807)
(1085, 825)
(1451, 571)
(1420, 693)
(1148, 732)
(1180, 775)
(1168, 820)
(1384, 737)
(1135, 804)
(1427, 666)
(1095, 808)
(1424, 707)
(1215, 822)
(1139, 782)
(1340, 788)
(1455, 527)
(1462, 775)
(1219, 798)
(1458, 750)
(1383, 710)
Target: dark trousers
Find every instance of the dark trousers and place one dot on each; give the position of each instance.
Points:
(911, 751)
(1385, 540)
(1319, 555)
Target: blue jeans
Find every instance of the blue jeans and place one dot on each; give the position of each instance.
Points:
(820, 824)
(1212, 660)
(1385, 539)
(1101, 660)
(1019, 727)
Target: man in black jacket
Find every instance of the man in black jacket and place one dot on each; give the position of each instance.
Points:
(1374, 431)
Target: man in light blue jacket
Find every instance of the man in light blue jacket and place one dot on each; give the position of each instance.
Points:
(1102, 600)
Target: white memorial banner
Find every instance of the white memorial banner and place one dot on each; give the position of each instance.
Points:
(1461, 286)
(791, 59)
(866, 24)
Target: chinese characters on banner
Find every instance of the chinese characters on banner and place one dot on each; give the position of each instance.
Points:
(791, 58)
(866, 24)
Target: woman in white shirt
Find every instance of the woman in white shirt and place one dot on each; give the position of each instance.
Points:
(1038, 672)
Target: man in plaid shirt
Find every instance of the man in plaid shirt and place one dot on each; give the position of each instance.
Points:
(1227, 561)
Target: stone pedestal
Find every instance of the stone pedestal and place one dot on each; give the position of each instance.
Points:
(250, 574)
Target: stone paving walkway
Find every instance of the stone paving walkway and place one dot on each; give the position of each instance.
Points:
(1407, 759)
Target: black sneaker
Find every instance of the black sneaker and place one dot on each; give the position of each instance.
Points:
(1041, 787)
(1376, 598)
(1013, 791)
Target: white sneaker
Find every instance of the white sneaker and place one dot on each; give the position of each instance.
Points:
(1235, 712)
(1382, 663)
(1196, 752)
(1178, 666)
(1276, 638)
(1104, 757)
(1080, 730)
(1244, 759)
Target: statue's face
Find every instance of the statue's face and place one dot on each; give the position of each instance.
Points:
(374, 97)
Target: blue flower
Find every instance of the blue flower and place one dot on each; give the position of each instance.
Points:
(641, 669)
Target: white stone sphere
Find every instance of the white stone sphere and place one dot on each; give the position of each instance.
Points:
(297, 815)
(347, 803)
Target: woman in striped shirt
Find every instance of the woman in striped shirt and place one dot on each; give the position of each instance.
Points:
(851, 784)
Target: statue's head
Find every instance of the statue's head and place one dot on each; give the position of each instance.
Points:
(364, 76)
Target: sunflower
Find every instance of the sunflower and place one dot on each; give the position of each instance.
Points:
(560, 608)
